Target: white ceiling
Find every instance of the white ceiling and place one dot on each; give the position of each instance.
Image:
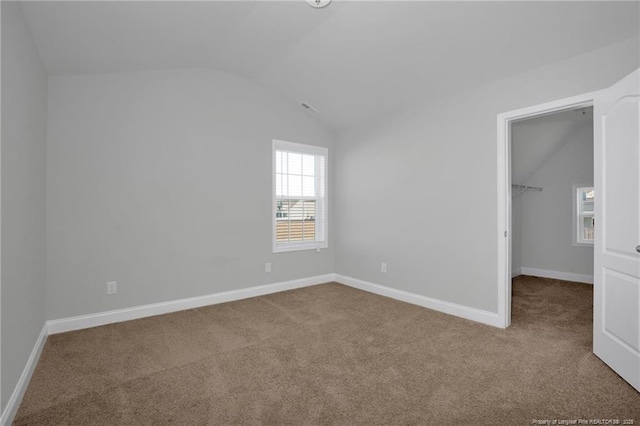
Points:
(353, 61)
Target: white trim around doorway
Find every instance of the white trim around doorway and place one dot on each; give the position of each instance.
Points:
(504, 121)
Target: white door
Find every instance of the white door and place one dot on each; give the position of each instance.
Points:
(616, 327)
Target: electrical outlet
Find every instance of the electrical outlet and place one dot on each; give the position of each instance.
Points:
(112, 287)
(383, 267)
(267, 267)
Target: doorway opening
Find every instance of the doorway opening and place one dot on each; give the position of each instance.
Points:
(554, 116)
(552, 196)
(552, 215)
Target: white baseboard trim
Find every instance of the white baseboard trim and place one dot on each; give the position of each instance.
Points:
(485, 317)
(21, 387)
(104, 318)
(516, 272)
(136, 312)
(557, 275)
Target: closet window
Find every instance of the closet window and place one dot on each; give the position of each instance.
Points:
(584, 216)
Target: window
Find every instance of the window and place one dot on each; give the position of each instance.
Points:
(584, 218)
(299, 196)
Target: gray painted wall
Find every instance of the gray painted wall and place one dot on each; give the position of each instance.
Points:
(546, 222)
(418, 190)
(24, 101)
(516, 233)
(161, 181)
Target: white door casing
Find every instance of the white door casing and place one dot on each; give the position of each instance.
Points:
(504, 187)
(616, 327)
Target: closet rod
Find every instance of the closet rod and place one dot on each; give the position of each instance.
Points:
(527, 188)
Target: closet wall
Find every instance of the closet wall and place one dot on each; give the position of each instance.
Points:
(554, 153)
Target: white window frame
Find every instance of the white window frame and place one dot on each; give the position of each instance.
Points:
(322, 188)
(578, 216)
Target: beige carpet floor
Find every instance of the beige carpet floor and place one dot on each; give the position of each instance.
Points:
(330, 354)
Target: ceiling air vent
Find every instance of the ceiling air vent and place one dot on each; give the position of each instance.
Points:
(309, 108)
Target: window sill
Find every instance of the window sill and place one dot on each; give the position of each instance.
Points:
(583, 244)
(299, 247)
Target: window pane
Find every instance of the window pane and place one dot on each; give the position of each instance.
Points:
(587, 222)
(295, 163)
(586, 199)
(308, 165)
(295, 186)
(295, 221)
(310, 210)
(278, 161)
(308, 186)
(281, 209)
(279, 192)
(588, 225)
(295, 210)
(282, 223)
(282, 232)
(284, 186)
(320, 175)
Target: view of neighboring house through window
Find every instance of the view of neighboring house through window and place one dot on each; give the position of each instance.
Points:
(585, 221)
(299, 196)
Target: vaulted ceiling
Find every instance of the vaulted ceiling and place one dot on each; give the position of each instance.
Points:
(353, 60)
(536, 140)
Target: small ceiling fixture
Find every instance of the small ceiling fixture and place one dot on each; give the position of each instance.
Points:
(318, 3)
(309, 108)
